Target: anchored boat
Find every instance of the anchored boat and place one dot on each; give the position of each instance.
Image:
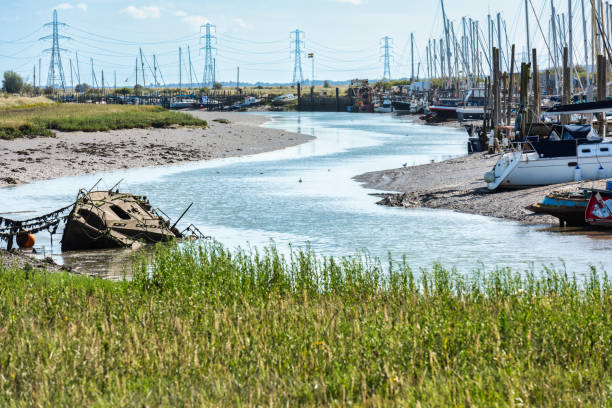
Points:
(567, 153)
(599, 209)
(568, 207)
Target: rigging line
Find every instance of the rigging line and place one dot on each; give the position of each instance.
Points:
(545, 42)
(603, 34)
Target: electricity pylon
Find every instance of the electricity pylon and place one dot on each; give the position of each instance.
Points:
(209, 66)
(297, 43)
(387, 47)
(55, 78)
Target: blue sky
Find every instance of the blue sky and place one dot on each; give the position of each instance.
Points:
(344, 35)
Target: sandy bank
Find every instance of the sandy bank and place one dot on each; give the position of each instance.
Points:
(76, 153)
(457, 184)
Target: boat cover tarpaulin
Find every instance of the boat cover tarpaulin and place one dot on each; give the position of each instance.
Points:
(575, 132)
(580, 108)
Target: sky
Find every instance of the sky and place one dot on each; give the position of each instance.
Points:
(344, 36)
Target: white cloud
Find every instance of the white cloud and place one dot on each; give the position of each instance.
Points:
(354, 2)
(195, 21)
(142, 13)
(63, 6)
(180, 13)
(82, 6)
(240, 22)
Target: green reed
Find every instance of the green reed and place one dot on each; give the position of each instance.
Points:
(42, 119)
(200, 325)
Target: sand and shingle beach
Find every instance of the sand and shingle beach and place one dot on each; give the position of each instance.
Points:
(26, 160)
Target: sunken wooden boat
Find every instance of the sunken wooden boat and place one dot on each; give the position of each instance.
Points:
(109, 219)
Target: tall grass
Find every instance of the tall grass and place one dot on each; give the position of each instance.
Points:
(40, 120)
(201, 325)
(12, 101)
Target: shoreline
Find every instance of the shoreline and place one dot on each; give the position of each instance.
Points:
(457, 184)
(76, 153)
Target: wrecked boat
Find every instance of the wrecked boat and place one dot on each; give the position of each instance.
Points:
(568, 207)
(110, 219)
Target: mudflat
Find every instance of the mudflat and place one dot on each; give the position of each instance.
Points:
(26, 160)
(458, 184)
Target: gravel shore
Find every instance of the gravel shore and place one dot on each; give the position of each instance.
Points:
(69, 154)
(458, 185)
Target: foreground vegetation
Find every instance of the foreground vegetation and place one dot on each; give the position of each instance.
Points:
(203, 326)
(39, 119)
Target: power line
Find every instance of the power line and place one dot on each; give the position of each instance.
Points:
(387, 47)
(56, 70)
(209, 69)
(297, 43)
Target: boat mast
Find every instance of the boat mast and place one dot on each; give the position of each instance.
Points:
(499, 41)
(570, 44)
(412, 55)
(527, 28)
(555, 44)
(586, 55)
(446, 40)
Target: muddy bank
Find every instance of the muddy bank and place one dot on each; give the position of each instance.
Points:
(76, 153)
(21, 260)
(458, 185)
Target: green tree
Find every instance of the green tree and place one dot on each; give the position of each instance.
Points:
(326, 84)
(81, 88)
(217, 86)
(124, 91)
(27, 89)
(12, 82)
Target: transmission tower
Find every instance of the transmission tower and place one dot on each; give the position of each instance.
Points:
(209, 66)
(55, 78)
(297, 43)
(387, 47)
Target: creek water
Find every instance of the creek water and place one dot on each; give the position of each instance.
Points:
(304, 196)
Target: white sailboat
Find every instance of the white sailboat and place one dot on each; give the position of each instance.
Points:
(570, 152)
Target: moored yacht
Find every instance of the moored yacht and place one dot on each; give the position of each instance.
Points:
(569, 152)
(473, 105)
(445, 109)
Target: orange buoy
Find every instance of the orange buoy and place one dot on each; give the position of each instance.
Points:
(25, 239)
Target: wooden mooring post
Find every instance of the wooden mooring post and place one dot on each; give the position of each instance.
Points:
(536, 87)
(601, 91)
(524, 103)
(566, 97)
(510, 89)
(299, 92)
(496, 99)
(337, 100)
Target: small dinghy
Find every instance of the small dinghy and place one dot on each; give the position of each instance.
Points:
(568, 207)
(599, 209)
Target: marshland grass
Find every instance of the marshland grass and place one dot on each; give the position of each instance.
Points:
(41, 119)
(203, 326)
(12, 101)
